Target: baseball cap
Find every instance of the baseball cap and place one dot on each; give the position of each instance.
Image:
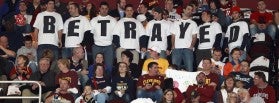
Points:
(155, 48)
(141, 17)
(235, 8)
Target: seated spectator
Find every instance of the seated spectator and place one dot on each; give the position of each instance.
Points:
(205, 91)
(30, 52)
(5, 52)
(150, 85)
(261, 21)
(122, 84)
(79, 64)
(234, 64)
(127, 57)
(229, 87)
(47, 53)
(163, 64)
(232, 98)
(45, 77)
(99, 60)
(86, 96)
(243, 75)
(100, 84)
(61, 94)
(168, 96)
(212, 78)
(262, 89)
(244, 97)
(21, 71)
(66, 73)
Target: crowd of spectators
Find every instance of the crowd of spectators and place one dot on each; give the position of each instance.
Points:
(86, 53)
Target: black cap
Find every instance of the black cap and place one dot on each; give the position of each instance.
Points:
(158, 9)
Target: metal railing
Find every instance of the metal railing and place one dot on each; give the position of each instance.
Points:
(27, 97)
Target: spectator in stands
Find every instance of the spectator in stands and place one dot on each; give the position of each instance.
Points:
(262, 89)
(212, 79)
(244, 97)
(232, 98)
(22, 19)
(61, 8)
(143, 9)
(48, 30)
(237, 34)
(86, 96)
(173, 15)
(61, 94)
(243, 75)
(183, 40)
(204, 91)
(74, 29)
(196, 14)
(99, 59)
(29, 51)
(47, 53)
(119, 12)
(223, 19)
(234, 64)
(5, 52)
(21, 71)
(89, 11)
(150, 85)
(100, 84)
(33, 7)
(66, 73)
(102, 28)
(142, 18)
(129, 35)
(163, 64)
(168, 96)
(261, 21)
(122, 84)
(209, 37)
(45, 77)
(229, 87)
(134, 69)
(216, 61)
(78, 64)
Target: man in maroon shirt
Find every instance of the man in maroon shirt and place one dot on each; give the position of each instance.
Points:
(205, 91)
(262, 89)
(262, 21)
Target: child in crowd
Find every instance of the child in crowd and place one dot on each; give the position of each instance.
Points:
(21, 71)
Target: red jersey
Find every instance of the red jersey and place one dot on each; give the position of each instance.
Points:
(264, 16)
(206, 93)
(22, 77)
(153, 80)
(267, 93)
(211, 77)
(71, 76)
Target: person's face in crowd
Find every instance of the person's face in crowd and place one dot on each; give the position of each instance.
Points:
(261, 6)
(201, 78)
(236, 55)
(205, 17)
(212, 5)
(188, 11)
(64, 85)
(235, 15)
(157, 16)
(99, 71)
(169, 96)
(129, 12)
(142, 9)
(61, 66)
(243, 95)
(80, 53)
(124, 58)
(50, 6)
(99, 58)
(122, 4)
(154, 70)
(89, 6)
(206, 64)
(256, 80)
(217, 55)
(20, 61)
(44, 65)
(87, 90)
(230, 83)
(104, 10)
(169, 5)
(28, 44)
(244, 67)
(73, 10)
(22, 6)
(122, 68)
(4, 41)
(232, 97)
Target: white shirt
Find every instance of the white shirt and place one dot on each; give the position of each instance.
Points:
(104, 39)
(131, 39)
(173, 16)
(74, 28)
(48, 23)
(207, 33)
(235, 34)
(158, 32)
(186, 40)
